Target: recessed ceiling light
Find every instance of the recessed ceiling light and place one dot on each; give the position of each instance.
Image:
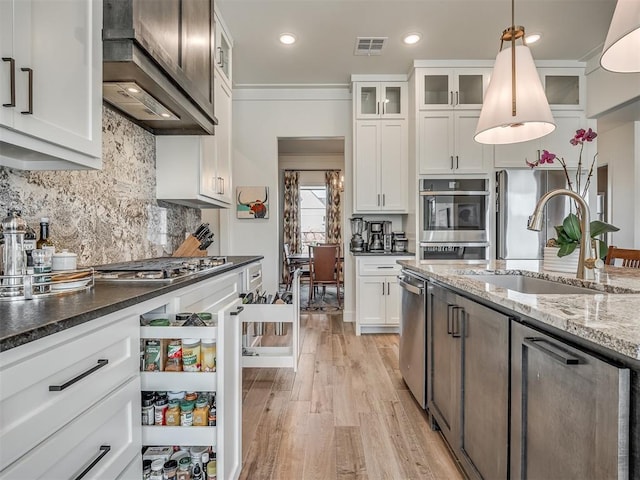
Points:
(412, 38)
(132, 90)
(532, 38)
(287, 38)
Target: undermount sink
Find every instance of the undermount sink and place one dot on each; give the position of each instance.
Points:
(531, 285)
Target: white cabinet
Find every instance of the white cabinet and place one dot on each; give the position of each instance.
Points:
(381, 166)
(186, 171)
(565, 88)
(51, 84)
(446, 143)
(77, 390)
(218, 296)
(514, 155)
(377, 294)
(447, 88)
(381, 100)
(223, 49)
(222, 184)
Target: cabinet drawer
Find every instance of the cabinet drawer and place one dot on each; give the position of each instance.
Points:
(66, 454)
(389, 267)
(254, 277)
(208, 296)
(30, 407)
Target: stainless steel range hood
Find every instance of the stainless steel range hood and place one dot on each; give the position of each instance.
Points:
(149, 81)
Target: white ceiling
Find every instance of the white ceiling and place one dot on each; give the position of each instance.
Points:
(451, 29)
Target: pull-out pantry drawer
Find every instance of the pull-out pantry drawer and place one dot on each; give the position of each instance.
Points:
(48, 382)
(99, 443)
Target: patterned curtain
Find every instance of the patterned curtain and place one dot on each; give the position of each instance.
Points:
(291, 223)
(334, 226)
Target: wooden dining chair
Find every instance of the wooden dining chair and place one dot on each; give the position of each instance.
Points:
(324, 263)
(630, 258)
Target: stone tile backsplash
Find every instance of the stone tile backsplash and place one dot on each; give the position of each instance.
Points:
(104, 216)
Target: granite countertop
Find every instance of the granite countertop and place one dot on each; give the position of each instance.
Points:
(607, 318)
(24, 321)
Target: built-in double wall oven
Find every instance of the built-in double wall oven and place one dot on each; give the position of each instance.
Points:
(454, 219)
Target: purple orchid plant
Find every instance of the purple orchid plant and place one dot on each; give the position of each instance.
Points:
(569, 234)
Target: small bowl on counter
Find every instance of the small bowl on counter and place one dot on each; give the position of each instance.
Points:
(64, 261)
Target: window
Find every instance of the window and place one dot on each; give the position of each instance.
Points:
(313, 210)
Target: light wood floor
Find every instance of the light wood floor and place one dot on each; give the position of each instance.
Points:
(346, 414)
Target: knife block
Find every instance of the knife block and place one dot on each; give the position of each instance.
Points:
(189, 248)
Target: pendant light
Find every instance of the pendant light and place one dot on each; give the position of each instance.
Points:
(515, 107)
(621, 52)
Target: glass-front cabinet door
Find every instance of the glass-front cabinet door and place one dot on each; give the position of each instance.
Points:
(381, 100)
(443, 88)
(564, 87)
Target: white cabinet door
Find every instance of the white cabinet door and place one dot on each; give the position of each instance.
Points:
(470, 156)
(446, 88)
(436, 142)
(394, 160)
(8, 66)
(393, 301)
(371, 300)
(224, 49)
(57, 49)
(367, 166)
(447, 144)
(376, 100)
(222, 138)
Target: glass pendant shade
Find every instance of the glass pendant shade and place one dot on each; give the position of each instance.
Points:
(497, 124)
(621, 52)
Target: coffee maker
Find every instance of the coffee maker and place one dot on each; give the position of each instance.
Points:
(387, 236)
(375, 237)
(357, 227)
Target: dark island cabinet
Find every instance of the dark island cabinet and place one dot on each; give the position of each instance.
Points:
(469, 381)
(178, 35)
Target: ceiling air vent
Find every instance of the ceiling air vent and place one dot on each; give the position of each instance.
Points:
(369, 45)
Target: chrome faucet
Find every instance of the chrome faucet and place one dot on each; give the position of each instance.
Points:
(586, 261)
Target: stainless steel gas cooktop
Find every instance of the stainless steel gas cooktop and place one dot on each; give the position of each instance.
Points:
(158, 270)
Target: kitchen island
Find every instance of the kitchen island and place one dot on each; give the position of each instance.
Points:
(539, 385)
(73, 367)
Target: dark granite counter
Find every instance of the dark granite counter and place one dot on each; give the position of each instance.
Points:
(27, 320)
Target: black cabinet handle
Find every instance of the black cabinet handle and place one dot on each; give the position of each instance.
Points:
(455, 321)
(450, 318)
(451, 98)
(238, 310)
(58, 388)
(30, 80)
(12, 81)
(555, 352)
(104, 449)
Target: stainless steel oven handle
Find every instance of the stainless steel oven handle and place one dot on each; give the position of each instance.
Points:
(453, 193)
(454, 244)
(410, 288)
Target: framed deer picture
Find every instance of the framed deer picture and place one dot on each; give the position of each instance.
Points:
(252, 202)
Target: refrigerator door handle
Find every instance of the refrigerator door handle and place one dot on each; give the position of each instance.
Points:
(501, 213)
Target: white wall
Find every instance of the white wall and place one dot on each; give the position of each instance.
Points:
(260, 117)
(619, 148)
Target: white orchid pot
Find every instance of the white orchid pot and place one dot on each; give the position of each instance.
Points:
(553, 263)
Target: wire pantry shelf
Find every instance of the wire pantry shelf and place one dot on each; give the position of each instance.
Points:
(44, 284)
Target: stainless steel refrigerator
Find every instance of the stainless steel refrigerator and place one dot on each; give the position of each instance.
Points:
(518, 191)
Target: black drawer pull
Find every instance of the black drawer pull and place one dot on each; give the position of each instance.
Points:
(30, 84)
(104, 449)
(57, 388)
(238, 310)
(12, 81)
(555, 352)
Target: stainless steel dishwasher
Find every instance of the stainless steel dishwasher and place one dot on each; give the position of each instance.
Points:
(413, 345)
